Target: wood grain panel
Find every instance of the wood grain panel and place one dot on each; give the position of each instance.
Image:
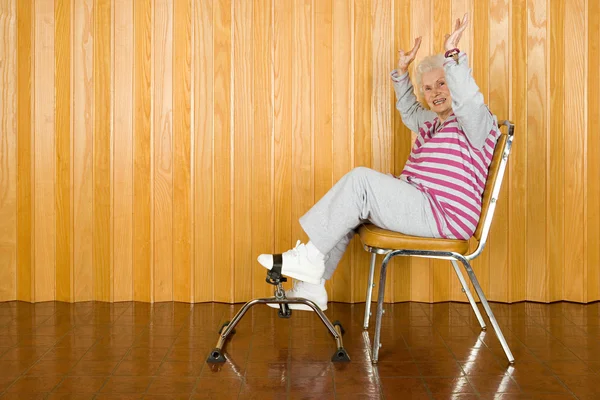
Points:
(282, 121)
(381, 104)
(442, 23)
(556, 154)
(302, 113)
(421, 274)
(363, 90)
(575, 149)
(163, 149)
(83, 103)
(262, 191)
(322, 100)
(404, 40)
(150, 150)
(102, 262)
(467, 41)
(45, 152)
(8, 150)
(342, 127)
(516, 181)
(593, 153)
(142, 197)
(441, 270)
(183, 267)
(536, 152)
(498, 100)
(381, 107)
(122, 239)
(243, 105)
(223, 233)
(62, 83)
(203, 123)
(25, 149)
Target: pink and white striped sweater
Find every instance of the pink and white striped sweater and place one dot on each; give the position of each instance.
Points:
(449, 161)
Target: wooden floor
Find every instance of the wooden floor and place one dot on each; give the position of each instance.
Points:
(136, 350)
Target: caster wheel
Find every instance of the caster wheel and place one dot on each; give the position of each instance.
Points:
(338, 323)
(223, 327)
(215, 357)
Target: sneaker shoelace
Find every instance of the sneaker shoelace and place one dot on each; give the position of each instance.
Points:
(294, 251)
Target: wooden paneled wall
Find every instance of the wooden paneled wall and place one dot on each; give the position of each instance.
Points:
(151, 149)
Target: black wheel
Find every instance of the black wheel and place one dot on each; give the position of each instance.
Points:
(215, 357)
(341, 355)
(223, 327)
(338, 323)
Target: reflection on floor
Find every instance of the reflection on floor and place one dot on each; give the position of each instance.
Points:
(136, 350)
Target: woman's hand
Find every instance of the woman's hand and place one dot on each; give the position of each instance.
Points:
(453, 39)
(404, 59)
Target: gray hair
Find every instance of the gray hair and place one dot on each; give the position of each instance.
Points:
(429, 63)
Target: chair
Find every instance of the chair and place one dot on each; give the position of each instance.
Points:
(380, 241)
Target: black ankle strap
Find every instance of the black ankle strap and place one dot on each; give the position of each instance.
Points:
(277, 263)
(274, 275)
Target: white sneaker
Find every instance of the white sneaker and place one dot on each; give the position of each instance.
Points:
(296, 264)
(314, 293)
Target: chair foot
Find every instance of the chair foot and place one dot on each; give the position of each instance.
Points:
(367, 316)
(216, 356)
(340, 355)
(488, 311)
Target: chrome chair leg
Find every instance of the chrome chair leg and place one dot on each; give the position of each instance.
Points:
(488, 311)
(380, 297)
(465, 287)
(369, 292)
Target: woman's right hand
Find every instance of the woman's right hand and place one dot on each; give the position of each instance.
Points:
(404, 59)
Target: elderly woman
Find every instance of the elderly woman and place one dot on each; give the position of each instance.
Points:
(439, 192)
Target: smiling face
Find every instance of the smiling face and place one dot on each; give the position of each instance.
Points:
(436, 92)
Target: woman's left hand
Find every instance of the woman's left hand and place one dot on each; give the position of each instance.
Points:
(453, 39)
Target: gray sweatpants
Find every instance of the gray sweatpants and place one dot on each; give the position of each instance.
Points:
(364, 195)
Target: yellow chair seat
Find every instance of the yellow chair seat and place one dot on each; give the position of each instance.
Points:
(374, 236)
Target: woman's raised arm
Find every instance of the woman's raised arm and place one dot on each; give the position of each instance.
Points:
(467, 100)
(412, 113)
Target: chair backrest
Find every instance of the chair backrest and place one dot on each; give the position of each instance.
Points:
(493, 185)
